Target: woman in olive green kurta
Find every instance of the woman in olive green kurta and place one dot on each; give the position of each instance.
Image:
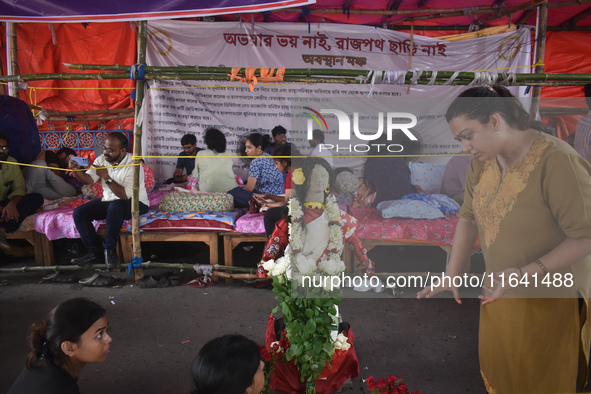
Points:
(528, 196)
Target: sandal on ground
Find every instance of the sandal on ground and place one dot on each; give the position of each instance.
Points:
(98, 280)
(152, 283)
(174, 280)
(196, 283)
(59, 277)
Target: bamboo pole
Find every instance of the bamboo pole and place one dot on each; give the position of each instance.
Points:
(213, 73)
(54, 118)
(442, 11)
(65, 77)
(467, 27)
(563, 111)
(476, 10)
(464, 78)
(137, 149)
(84, 113)
(300, 75)
(181, 72)
(235, 276)
(2, 87)
(11, 57)
(540, 50)
(147, 264)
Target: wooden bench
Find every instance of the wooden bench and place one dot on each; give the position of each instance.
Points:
(209, 238)
(43, 247)
(233, 239)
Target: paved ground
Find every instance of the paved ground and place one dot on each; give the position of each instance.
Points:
(432, 343)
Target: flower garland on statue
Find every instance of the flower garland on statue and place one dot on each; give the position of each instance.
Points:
(330, 263)
(310, 318)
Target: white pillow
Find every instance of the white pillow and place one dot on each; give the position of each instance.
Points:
(429, 176)
(413, 209)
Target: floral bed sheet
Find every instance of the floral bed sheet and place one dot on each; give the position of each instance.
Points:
(189, 221)
(251, 223)
(371, 225)
(59, 223)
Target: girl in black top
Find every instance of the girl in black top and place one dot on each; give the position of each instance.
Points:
(73, 334)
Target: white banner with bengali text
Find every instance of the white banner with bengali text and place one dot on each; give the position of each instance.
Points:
(175, 108)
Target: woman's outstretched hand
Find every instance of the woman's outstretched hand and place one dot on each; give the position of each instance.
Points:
(499, 283)
(431, 290)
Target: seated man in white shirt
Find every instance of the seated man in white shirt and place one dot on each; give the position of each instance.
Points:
(115, 206)
(316, 142)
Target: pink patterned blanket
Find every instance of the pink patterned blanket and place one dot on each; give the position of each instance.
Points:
(59, 223)
(371, 225)
(251, 223)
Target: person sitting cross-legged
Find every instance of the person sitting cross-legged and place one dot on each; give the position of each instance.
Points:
(115, 206)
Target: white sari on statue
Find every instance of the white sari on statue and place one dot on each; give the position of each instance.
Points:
(316, 240)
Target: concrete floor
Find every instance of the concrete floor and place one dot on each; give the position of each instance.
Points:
(432, 343)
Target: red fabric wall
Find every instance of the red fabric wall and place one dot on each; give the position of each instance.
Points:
(94, 43)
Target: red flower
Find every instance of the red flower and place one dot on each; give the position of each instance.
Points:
(264, 353)
(392, 380)
(403, 388)
(371, 383)
(284, 343)
(382, 384)
(384, 391)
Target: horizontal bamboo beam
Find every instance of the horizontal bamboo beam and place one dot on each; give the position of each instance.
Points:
(55, 118)
(563, 111)
(183, 71)
(390, 12)
(234, 276)
(147, 264)
(122, 67)
(529, 6)
(331, 76)
(467, 27)
(443, 11)
(85, 113)
(66, 77)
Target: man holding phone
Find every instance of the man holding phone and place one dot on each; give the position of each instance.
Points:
(115, 206)
(187, 164)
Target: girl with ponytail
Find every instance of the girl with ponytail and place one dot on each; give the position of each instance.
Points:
(72, 335)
